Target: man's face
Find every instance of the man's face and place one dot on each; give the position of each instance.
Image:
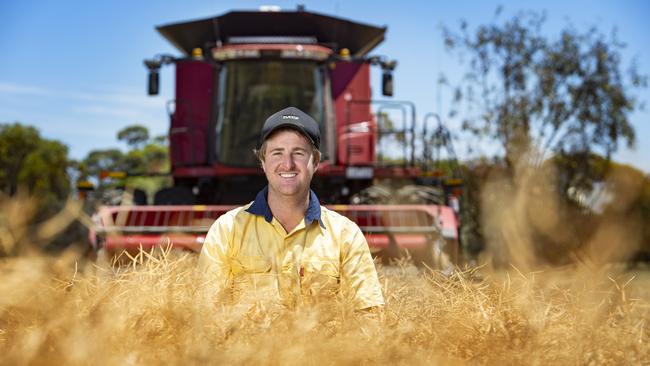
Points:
(288, 163)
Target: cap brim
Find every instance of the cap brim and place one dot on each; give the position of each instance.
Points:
(294, 126)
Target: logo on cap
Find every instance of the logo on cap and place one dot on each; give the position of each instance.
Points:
(291, 117)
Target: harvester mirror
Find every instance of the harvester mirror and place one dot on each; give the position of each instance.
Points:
(154, 75)
(153, 65)
(387, 83)
(154, 82)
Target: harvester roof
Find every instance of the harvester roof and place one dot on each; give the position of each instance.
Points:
(338, 33)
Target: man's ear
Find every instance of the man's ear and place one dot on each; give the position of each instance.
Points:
(316, 161)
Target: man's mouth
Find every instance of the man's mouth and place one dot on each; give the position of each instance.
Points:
(288, 175)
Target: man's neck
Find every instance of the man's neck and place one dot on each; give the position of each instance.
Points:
(288, 210)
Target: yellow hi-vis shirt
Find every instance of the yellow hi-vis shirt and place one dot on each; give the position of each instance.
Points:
(252, 257)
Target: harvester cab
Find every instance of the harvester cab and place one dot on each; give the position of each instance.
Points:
(238, 68)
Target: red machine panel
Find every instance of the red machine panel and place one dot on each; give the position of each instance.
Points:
(190, 122)
(406, 226)
(355, 125)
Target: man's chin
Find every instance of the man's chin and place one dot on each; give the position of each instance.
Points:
(291, 192)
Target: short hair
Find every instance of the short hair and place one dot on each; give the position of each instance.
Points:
(259, 153)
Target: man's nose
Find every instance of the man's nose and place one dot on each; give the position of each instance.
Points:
(287, 161)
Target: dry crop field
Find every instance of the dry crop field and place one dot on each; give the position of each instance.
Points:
(57, 310)
(65, 310)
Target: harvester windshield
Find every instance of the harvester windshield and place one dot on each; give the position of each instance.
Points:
(251, 90)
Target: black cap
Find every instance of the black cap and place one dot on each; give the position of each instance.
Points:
(292, 117)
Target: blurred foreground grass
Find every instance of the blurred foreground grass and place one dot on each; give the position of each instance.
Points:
(55, 310)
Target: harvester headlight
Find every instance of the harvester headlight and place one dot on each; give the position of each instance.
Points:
(302, 53)
(230, 53)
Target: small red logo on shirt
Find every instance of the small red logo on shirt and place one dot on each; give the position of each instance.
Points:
(302, 271)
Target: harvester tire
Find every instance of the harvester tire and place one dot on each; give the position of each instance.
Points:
(139, 197)
(174, 196)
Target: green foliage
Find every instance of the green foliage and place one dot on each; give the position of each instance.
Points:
(150, 159)
(34, 174)
(134, 135)
(28, 161)
(146, 157)
(104, 160)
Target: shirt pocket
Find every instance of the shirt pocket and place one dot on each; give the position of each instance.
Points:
(253, 278)
(250, 265)
(319, 277)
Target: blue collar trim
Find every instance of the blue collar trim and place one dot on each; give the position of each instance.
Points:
(313, 210)
(260, 207)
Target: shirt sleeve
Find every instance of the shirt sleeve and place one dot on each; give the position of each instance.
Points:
(359, 278)
(213, 261)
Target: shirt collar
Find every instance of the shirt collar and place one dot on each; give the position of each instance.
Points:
(313, 210)
(260, 207)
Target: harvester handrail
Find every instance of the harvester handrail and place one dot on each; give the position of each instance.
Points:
(392, 104)
(372, 219)
(153, 229)
(400, 229)
(203, 229)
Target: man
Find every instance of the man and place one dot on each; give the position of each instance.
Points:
(285, 245)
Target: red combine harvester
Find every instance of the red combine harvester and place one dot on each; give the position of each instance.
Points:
(240, 67)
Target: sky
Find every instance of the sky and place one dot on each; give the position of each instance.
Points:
(74, 70)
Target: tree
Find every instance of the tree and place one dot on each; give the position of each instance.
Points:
(134, 135)
(33, 173)
(28, 161)
(565, 95)
(144, 158)
(104, 160)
